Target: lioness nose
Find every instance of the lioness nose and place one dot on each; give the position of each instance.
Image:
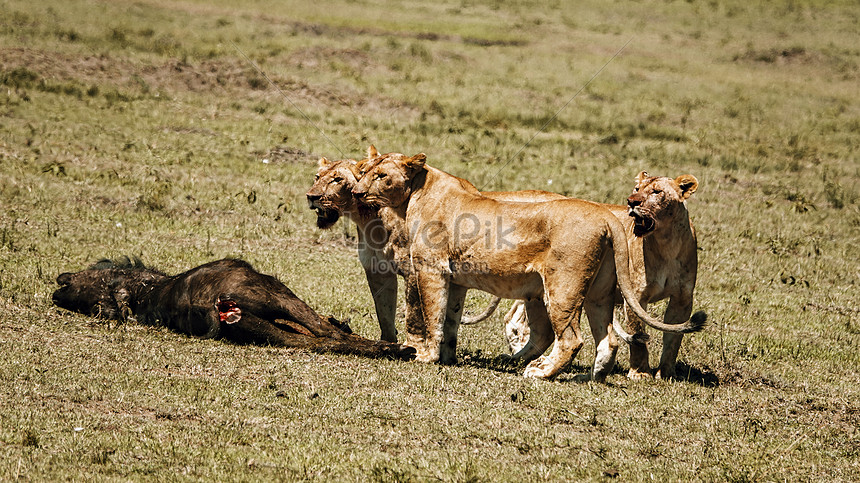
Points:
(633, 202)
(313, 197)
(358, 194)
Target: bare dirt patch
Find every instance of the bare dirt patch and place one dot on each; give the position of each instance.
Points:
(342, 30)
(87, 73)
(104, 69)
(286, 154)
(839, 62)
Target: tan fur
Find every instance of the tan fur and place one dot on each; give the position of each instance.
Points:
(663, 264)
(558, 256)
(331, 196)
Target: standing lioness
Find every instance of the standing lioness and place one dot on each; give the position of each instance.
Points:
(331, 197)
(559, 256)
(663, 263)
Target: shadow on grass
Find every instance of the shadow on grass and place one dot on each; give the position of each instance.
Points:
(694, 375)
(579, 373)
(504, 363)
(498, 362)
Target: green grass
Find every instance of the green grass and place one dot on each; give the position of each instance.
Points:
(141, 128)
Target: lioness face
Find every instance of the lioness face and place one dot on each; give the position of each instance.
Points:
(331, 193)
(385, 179)
(655, 200)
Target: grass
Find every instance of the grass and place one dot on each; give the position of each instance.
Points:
(148, 130)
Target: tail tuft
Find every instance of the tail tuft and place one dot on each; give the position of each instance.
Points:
(641, 338)
(698, 321)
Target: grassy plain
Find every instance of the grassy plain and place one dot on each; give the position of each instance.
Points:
(143, 127)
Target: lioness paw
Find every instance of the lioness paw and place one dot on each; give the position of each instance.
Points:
(664, 373)
(426, 357)
(635, 375)
(538, 369)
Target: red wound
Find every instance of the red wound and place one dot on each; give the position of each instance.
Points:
(228, 311)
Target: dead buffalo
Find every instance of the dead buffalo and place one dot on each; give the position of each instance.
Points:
(226, 299)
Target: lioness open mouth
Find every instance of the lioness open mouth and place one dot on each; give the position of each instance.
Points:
(326, 217)
(641, 225)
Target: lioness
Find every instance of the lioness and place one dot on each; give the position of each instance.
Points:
(663, 257)
(558, 256)
(331, 197)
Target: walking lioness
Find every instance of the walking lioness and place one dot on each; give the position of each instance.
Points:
(558, 256)
(663, 262)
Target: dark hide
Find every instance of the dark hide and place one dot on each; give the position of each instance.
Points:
(226, 299)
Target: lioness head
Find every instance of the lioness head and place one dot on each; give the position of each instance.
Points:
(656, 199)
(331, 193)
(386, 179)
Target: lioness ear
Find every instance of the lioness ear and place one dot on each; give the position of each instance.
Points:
(415, 162)
(359, 166)
(372, 152)
(640, 178)
(355, 169)
(688, 184)
(323, 162)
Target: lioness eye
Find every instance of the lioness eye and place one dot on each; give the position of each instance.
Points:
(316, 177)
(380, 176)
(338, 180)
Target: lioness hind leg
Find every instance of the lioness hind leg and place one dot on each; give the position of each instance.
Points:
(566, 347)
(606, 344)
(564, 316)
(599, 308)
(540, 330)
(671, 346)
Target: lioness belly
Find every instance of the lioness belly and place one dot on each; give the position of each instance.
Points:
(523, 286)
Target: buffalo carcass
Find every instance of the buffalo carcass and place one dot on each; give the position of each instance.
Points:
(226, 298)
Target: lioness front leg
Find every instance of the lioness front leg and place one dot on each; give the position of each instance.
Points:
(676, 312)
(416, 329)
(432, 290)
(381, 277)
(456, 299)
(383, 289)
(640, 368)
